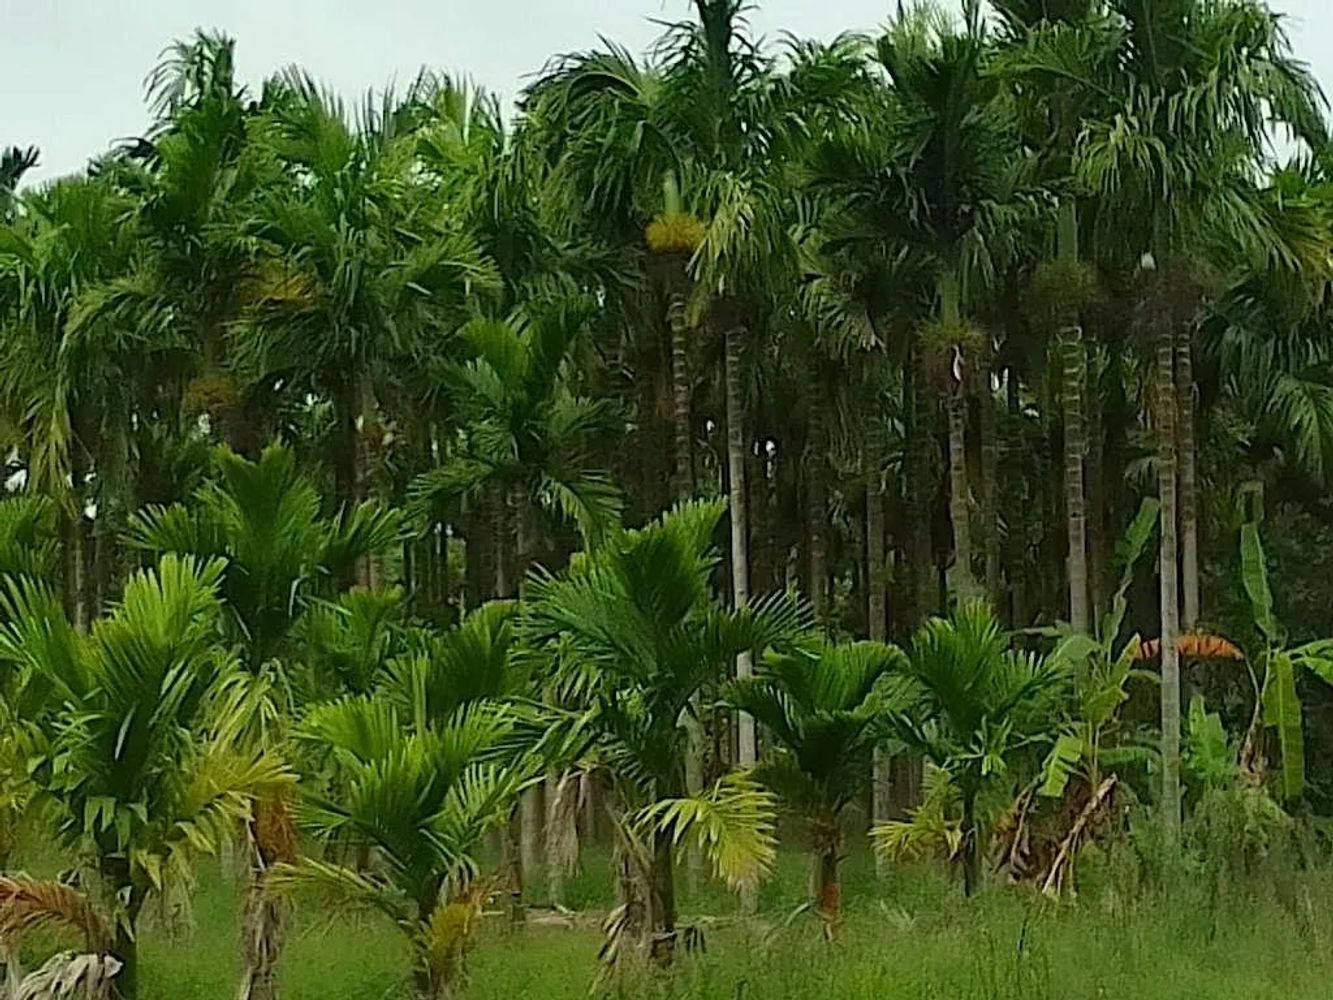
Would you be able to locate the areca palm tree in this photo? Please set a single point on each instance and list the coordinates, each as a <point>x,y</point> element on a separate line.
<point>422,799</point>
<point>1180,95</point>
<point>825,709</point>
<point>527,436</point>
<point>143,768</point>
<point>637,638</point>
<point>361,267</point>
<point>977,704</point>
<point>282,555</point>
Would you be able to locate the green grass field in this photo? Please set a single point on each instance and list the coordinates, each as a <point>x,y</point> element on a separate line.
<point>908,936</point>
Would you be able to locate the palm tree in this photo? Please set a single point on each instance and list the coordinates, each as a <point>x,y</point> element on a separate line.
<point>1163,181</point>
<point>423,797</point>
<point>361,269</point>
<point>638,640</point>
<point>527,435</point>
<point>824,708</point>
<point>976,705</point>
<point>281,556</point>
<point>15,161</point>
<point>143,767</point>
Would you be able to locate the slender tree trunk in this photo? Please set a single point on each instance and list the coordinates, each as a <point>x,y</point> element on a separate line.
<point>346,452</point>
<point>740,558</point>
<point>1096,488</point>
<point>1016,555</point>
<point>263,923</point>
<point>918,492</point>
<point>1189,496</point>
<point>662,901</point>
<point>814,472</point>
<point>990,478</point>
<point>531,809</point>
<point>971,844</point>
<point>1166,485</point>
<point>682,425</point>
<point>828,885</point>
<point>876,612</point>
<point>963,585</point>
<point>1076,525</point>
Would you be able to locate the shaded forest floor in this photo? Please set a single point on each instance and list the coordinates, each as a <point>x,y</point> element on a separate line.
<point>910,935</point>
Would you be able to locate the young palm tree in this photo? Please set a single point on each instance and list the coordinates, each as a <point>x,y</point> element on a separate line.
<point>976,705</point>
<point>143,768</point>
<point>825,709</point>
<point>637,638</point>
<point>281,556</point>
<point>423,797</point>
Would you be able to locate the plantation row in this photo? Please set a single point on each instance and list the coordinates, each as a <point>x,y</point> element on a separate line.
<point>386,481</point>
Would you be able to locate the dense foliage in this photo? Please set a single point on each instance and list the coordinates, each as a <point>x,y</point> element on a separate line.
<point>384,481</point>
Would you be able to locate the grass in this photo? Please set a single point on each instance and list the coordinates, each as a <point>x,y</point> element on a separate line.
<point>908,936</point>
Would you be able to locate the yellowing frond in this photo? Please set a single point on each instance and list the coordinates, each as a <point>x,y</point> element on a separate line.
<point>734,823</point>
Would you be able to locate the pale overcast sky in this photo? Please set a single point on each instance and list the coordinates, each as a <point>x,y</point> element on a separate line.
<point>71,71</point>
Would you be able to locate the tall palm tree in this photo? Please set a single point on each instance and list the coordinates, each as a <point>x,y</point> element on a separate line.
<point>1180,95</point>
<point>360,266</point>
<point>527,437</point>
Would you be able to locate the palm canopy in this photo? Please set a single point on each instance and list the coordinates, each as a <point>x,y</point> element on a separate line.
<point>141,764</point>
<point>636,634</point>
<point>974,707</point>
<point>977,699</point>
<point>525,429</point>
<point>477,661</point>
<point>264,518</point>
<point>825,708</point>
<point>423,797</point>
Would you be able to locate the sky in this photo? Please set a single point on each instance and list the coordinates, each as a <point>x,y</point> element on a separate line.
<point>72,71</point>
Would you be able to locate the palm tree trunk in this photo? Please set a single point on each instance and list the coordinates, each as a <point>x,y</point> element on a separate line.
<point>963,583</point>
<point>828,885</point>
<point>1189,497</point>
<point>682,426</point>
<point>990,478</point>
<point>1095,465</point>
<point>262,933</point>
<point>740,557</point>
<point>917,493</point>
<point>531,809</point>
<point>1016,549</point>
<point>1076,524</point>
<point>971,844</point>
<point>662,899</point>
<point>876,613</point>
<point>814,472</point>
<point>1166,485</point>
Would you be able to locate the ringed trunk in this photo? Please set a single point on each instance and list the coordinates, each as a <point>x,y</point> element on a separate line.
<point>740,556</point>
<point>1166,486</point>
<point>681,423</point>
<point>1076,523</point>
<point>1189,496</point>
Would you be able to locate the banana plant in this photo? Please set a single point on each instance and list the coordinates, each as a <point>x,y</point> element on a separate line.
<point>1274,669</point>
<point>1101,669</point>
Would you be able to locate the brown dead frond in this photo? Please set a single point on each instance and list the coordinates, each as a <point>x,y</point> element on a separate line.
<point>1057,875</point>
<point>28,904</point>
